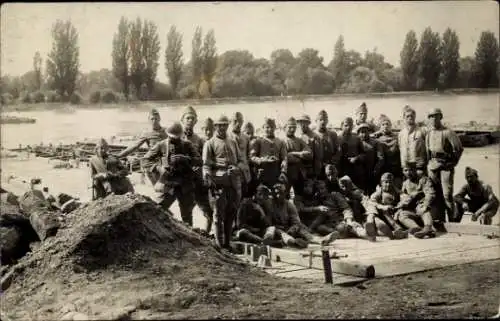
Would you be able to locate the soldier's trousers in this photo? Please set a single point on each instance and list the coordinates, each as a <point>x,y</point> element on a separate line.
<point>443,179</point>
<point>184,196</point>
<point>225,205</point>
<point>473,207</point>
<point>202,200</point>
<point>414,219</point>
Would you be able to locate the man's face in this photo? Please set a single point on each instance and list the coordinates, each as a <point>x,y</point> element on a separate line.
<point>361,116</point>
<point>268,130</point>
<point>386,127</point>
<point>279,191</point>
<point>260,196</point>
<point>189,121</point>
<point>209,131</point>
<point>322,190</point>
<point>304,126</point>
<point>154,120</point>
<point>322,122</point>
<point>435,120</point>
<point>471,179</point>
<point>237,123</point>
<point>364,134</point>
<point>309,187</point>
<point>290,129</point>
<point>331,176</point>
<point>409,172</point>
<point>249,131</point>
<point>345,186</point>
<point>346,127</point>
<point>221,129</point>
<point>409,118</point>
<point>386,185</point>
<point>103,150</point>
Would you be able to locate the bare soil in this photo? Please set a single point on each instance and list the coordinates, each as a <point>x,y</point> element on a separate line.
<point>123,258</point>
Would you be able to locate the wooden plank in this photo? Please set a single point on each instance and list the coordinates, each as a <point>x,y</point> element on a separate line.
<point>421,264</point>
<point>475,229</point>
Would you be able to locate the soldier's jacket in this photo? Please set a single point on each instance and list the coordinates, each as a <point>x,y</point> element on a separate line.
<point>151,138</point>
<point>392,158</point>
<point>285,215</point>
<point>350,146</point>
<point>218,155</point>
<point>198,143</point>
<point>420,193</point>
<point>243,142</point>
<point>263,147</point>
<point>329,141</point>
<point>170,171</point>
<point>374,157</point>
<point>252,216</point>
<point>338,205</point>
<point>296,164</point>
<point>412,146</point>
<point>315,166</point>
<point>109,164</point>
<point>372,127</point>
<point>479,195</point>
<point>384,198</point>
<point>358,201</point>
<point>444,148</point>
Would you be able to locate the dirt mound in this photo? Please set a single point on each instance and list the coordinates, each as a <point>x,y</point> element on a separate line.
<point>121,251</point>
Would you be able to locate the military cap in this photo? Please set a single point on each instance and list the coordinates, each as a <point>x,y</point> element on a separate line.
<point>407,109</point>
<point>347,120</point>
<point>237,115</point>
<point>362,108</point>
<point>189,110</point>
<point>291,122</point>
<point>330,168</point>
<point>222,120</point>
<point>304,118</point>
<point>362,126</point>
<point>410,165</point>
<point>382,118</point>
<point>262,189</point>
<point>102,142</point>
<point>387,177</point>
<point>248,125</point>
<point>154,112</point>
<point>322,113</point>
<point>470,171</point>
<point>434,111</point>
<point>175,130</point>
<point>269,122</point>
<point>208,123</point>
<point>280,186</point>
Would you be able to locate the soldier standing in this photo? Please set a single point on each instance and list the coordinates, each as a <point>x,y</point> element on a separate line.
<point>444,150</point>
<point>268,154</point>
<point>189,120</point>
<point>176,180</point>
<point>298,152</point>
<point>374,159</point>
<point>243,143</point>
<point>392,159</point>
<point>351,154</point>
<point>221,172</point>
<point>362,118</point>
<point>150,138</point>
<point>208,129</point>
<point>411,141</point>
<point>329,141</point>
<point>313,168</point>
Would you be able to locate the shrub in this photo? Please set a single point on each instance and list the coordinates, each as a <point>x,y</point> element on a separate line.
<point>53,96</point>
<point>188,92</point>
<point>37,97</point>
<point>95,97</point>
<point>75,98</point>
<point>6,99</point>
<point>108,96</point>
<point>25,98</point>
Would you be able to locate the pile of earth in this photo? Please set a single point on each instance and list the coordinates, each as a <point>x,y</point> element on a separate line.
<point>117,256</point>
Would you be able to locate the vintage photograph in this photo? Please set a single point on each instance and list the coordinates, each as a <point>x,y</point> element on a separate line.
<point>250,160</point>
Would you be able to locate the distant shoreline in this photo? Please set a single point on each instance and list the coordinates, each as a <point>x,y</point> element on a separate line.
<point>145,104</point>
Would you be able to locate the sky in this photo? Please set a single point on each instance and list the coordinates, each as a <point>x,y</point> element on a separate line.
<point>259,27</point>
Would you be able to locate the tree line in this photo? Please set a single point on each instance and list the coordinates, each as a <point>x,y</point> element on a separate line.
<point>432,62</point>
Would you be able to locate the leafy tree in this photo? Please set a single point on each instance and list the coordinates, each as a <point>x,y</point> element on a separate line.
<point>197,57</point>
<point>450,55</point>
<point>37,68</point>
<point>121,55</point>
<point>409,60</point>
<point>137,63</point>
<point>209,56</point>
<point>282,61</point>
<point>487,56</point>
<point>310,58</point>
<point>375,61</point>
<point>429,67</point>
<point>150,54</point>
<point>63,59</point>
<point>338,64</point>
<point>173,58</point>
<point>352,61</point>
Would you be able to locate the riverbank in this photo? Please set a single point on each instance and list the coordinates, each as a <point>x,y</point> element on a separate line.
<point>138,105</point>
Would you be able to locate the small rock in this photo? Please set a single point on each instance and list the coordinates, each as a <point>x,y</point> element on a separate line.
<point>361,287</point>
<point>69,307</point>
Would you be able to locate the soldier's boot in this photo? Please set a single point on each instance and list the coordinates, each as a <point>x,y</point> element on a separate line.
<point>228,232</point>
<point>219,232</point>
<point>370,230</point>
<point>330,238</point>
<point>414,230</point>
<point>208,226</point>
<point>297,243</point>
<point>247,236</point>
<point>399,234</point>
<point>426,231</point>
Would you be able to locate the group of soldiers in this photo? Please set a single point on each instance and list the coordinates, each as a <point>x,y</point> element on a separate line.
<point>364,181</point>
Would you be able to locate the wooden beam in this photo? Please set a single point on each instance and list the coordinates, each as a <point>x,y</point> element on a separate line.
<point>475,229</point>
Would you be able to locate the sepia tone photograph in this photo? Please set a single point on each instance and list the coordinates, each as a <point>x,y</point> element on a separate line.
<point>250,160</point>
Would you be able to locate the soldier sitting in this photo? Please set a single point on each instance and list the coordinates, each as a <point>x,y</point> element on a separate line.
<point>383,208</point>
<point>417,197</point>
<point>108,174</point>
<point>477,198</point>
<point>286,222</point>
<point>252,219</point>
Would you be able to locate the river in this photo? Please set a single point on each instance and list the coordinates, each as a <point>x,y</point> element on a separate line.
<point>57,127</point>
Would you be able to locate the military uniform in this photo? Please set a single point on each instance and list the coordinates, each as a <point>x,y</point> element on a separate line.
<point>298,152</point>
<point>351,146</point>
<point>253,218</point>
<point>243,143</point>
<point>412,147</point>
<point>373,161</point>
<point>315,165</point>
<point>176,181</point>
<point>200,190</point>
<point>329,143</point>
<point>392,158</point>
<point>479,199</point>
<point>221,163</point>
<point>268,172</point>
<point>372,128</point>
<point>444,150</point>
